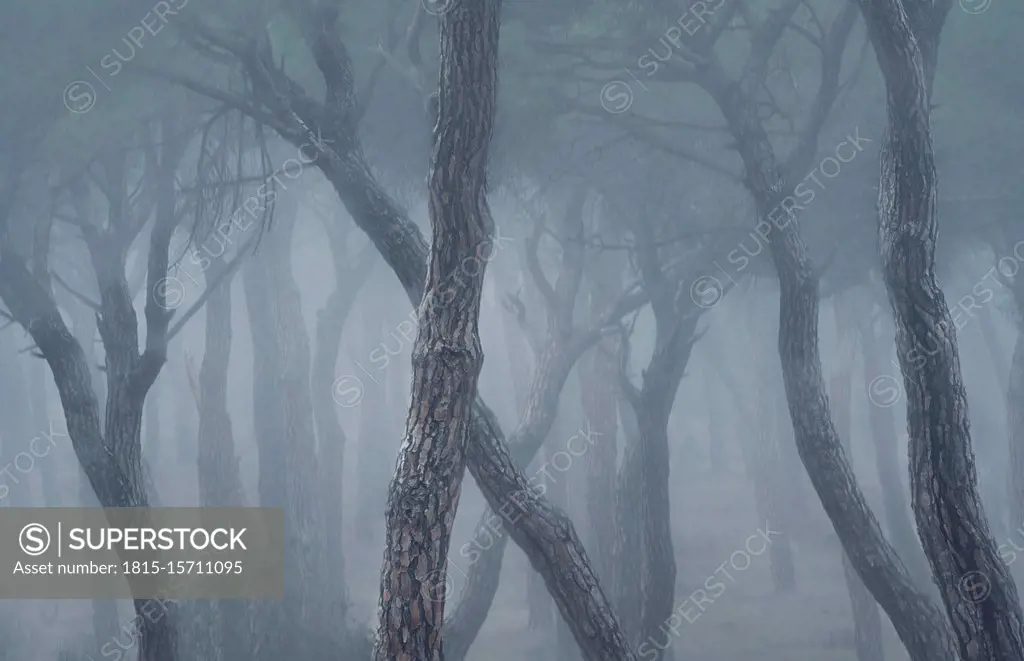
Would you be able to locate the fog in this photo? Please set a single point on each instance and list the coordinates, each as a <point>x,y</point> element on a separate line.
<point>646,331</point>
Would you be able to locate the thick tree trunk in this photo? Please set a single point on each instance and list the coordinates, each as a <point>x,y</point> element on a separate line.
<point>979,594</point>
<point>883,432</point>
<point>867,623</point>
<point>447,355</point>
<point>544,533</point>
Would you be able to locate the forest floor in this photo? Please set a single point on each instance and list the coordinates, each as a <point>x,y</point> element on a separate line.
<point>713,516</point>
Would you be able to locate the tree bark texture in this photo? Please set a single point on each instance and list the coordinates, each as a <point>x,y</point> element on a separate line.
<point>920,624</point>
<point>867,623</point>
<point>447,355</point>
<point>978,591</point>
<point>542,531</point>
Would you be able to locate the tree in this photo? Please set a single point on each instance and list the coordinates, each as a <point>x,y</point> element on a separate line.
<point>976,587</point>
<point>447,354</point>
<point>110,454</point>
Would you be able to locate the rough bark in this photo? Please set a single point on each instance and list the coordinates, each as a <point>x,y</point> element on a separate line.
<point>555,357</point>
<point>920,625</point>
<point>542,531</point>
<point>976,587</point>
<point>867,623</point>
<point>447,355</point>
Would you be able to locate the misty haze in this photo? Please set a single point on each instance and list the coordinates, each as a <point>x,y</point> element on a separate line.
<point>665,330</point>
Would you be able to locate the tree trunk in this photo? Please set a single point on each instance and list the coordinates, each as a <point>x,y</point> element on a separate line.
<point>48,469</point>
<point>643,493</point>
<point>15,431</point>
<point>920,625</point>
<point>979,594</point>
<point>545,533</point>
<point>447,355</point>
<point>225,622</point>
<point>597,373</point>
<point>883,432</point>
<point>151,423</point>
<point>768,489</point>
<point>867,623</point>
<point>286,439</point>
<point>330,326</point>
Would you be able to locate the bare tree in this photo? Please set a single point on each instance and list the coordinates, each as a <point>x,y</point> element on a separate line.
<point>979,594</point>
<point>447,354</point>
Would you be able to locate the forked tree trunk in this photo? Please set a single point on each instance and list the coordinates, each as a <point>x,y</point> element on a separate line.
<point>867,623</point>
<point>978,591</point>
<point>447,355</point>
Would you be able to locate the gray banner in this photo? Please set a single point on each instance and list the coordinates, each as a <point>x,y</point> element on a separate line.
<point>172,552</point>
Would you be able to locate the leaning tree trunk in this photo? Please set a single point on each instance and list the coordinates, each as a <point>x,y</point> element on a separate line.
<point>151,424</point>
<point>447,355</point>
<point>83,319</point>
<point>545,533</point>
<point>978,591</point>
<point>919,623</point>
<point>867,623</point>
